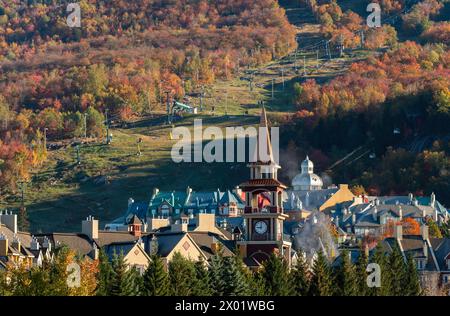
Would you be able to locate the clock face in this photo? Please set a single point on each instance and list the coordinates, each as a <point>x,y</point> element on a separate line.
<point>261,227</point>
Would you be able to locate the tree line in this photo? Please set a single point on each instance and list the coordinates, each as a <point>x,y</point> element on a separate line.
<point>224,276</point>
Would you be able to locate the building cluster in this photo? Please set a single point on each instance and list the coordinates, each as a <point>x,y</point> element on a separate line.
<point>259,217</point>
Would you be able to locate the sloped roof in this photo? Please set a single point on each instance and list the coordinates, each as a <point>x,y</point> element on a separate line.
<point>167,242</point>
<point>166,196</point>
<point>80,243</point>
<point>110,237</point>
<point>134,221</point>
<point>441,248</point>
<point>119,249</point>
<point>205,239</point>
<point>230,197</point>
<point>315,198</point>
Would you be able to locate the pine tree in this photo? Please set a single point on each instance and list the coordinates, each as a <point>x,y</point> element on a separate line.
<point>346,276</point>
<point>124,281</point>
<point>321,280</point>
<point>379,257</point>
<point>155,279</point>
<point>181,275</point>
<point>396,272</point>
<point>299,276</point>
<point>104,275</point>
<point>22,220</point>
<point>412,282</point>
<point>361,273</point>
<point>215,274</point>
<point>257,283</point>
<point>276,276</point>
<point>235,283</point>
<point>201,285</point>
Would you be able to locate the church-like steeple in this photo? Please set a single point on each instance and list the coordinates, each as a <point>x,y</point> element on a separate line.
<point>265,142</point>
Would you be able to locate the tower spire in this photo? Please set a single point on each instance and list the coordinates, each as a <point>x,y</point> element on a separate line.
<point>263,124</point>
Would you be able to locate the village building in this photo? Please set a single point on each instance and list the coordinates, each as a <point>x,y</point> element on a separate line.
<point>370,218</point>
<point>20,248</point>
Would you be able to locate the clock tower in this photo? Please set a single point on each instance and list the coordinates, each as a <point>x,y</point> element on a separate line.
<point>263,211</point>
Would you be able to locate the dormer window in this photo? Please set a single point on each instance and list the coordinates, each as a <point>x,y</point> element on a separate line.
<point>420,264</point>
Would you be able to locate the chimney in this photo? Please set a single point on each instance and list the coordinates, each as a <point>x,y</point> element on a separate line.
<point>206,222</point>
<point>89,227</point>
<point>425,249</point>
<point>16,243</point>
<point>424,232</point>
<point>10,221</point>
<point>130,202</point>
<point>214,246</point>
<point>156,223</point>
<point>435,215</point>
<point>188,190</point>
<point>3,245</point>
<point>154,245</point>
<point>155,191</point>
<point>34,244</point>
<point>47,244</point>
<point>95,251</point>
<point>375,213</point>
<point>433,200</point>
<point>238,191</point>
<point>400,213</point>
<point>377,202</point>
<point>398,232</point>
<point>345,211</point>
<point>410,197</point>
<point>180,225</point>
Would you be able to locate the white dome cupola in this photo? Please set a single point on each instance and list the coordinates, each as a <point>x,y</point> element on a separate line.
<point>307,180</point>
<point>307,166</point>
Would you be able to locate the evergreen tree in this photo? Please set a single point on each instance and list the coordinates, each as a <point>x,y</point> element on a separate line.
<point>257,283</point>
<point>22,220</point>
<point>380,258</point>
<point>124,281</point>
<point>56,272</point>
<point>396,272</point>
<point>155,279</point>
<point>104,276</point>
<point>215,274</point>
<point>346,276</point>
<point>321,280</point>
<point>361,273</point>
<point>412,282</point>
<point>235,282</point>
<point>276,276</point>
<point>299,276</point>
<point>181,275</point>
<point>201,286</point>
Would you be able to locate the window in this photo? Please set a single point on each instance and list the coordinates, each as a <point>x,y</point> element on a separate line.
<point>446,279</point>
<point>420,264</point>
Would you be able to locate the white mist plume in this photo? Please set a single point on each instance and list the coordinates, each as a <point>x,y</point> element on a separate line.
<point>290,161</point>
<point>316,236</point>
